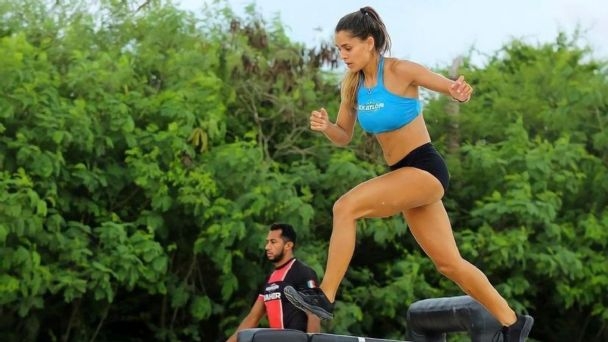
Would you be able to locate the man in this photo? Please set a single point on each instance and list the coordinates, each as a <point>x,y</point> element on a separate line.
<point>289,271</point>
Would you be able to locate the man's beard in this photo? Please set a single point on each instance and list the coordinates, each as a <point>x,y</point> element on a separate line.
<point>276,257</point>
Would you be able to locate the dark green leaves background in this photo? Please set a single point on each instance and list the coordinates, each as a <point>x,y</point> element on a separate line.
<point>144,150</point>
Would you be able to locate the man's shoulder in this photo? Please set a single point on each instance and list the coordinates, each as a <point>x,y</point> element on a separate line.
<point>301,266</point>
<point>301,263</point>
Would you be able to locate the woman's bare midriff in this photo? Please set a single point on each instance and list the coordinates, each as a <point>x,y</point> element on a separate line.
<point>399,143</point>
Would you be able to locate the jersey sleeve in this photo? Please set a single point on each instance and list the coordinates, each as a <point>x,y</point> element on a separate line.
<point>307,277</point>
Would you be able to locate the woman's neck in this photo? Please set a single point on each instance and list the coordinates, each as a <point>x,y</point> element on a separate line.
<point>370,71</point>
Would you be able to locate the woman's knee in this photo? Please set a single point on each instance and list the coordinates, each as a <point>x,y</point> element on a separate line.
<point>344,207</point>
<point>452,268</point>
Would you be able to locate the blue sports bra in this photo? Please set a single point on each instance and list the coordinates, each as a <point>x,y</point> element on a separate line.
<point>379,110</point>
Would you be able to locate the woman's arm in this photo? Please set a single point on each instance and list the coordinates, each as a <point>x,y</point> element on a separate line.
<point>418,75</point>
<point>340,133</point>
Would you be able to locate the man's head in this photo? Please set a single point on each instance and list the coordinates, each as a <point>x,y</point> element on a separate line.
<point>280,243</point>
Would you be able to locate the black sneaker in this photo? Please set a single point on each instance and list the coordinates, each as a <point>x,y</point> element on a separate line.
<point>310,300</point>
<point>518,331</point>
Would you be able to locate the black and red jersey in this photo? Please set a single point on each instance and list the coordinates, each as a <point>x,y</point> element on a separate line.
<point>281,313</point>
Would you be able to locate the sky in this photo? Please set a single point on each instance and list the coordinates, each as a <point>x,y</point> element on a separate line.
<point>434,32</point>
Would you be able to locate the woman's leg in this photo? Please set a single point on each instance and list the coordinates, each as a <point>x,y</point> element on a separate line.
<point>431,228</point>
<point>382,196</point>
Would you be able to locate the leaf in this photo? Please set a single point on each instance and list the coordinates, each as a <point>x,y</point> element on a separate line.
<point>201,307</point>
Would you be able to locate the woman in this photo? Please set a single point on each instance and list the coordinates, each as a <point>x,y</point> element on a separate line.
<point>382,94</point>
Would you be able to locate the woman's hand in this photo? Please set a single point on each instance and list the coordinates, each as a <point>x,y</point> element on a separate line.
<point>319,120</point>
<point>460,90</point>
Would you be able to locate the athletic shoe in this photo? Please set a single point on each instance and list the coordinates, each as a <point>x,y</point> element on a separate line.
<point>518,331</point>
<point>310,300</point>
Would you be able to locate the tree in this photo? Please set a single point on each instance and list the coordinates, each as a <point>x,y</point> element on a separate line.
<point>145,150</point>
<point>534,141</point>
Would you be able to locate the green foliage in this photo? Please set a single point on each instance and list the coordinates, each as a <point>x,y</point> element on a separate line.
<point>144,151</point>
<point>131,171</point>
<point>530,182</point>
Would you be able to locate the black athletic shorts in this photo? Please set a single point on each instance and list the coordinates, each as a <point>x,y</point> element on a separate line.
<point>426,158</point>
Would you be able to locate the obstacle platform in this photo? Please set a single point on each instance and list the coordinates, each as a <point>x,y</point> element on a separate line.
<point>344,338</point>
<point>287,335</point>
<point>271,335</point>
<point>428,320</point>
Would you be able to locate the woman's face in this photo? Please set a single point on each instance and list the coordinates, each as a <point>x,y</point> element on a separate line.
<point>355,52</point>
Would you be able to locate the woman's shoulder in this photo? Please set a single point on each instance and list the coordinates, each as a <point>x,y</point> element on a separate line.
<point>397,64</point>
<point>401,67</point>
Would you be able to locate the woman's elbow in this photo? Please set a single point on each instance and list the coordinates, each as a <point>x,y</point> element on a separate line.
<point>342,142</point>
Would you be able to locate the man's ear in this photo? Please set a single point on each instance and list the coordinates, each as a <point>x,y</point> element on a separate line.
<point>289,244</point>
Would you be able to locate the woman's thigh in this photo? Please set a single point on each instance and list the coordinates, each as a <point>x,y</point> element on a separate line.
<point>390,194</point>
